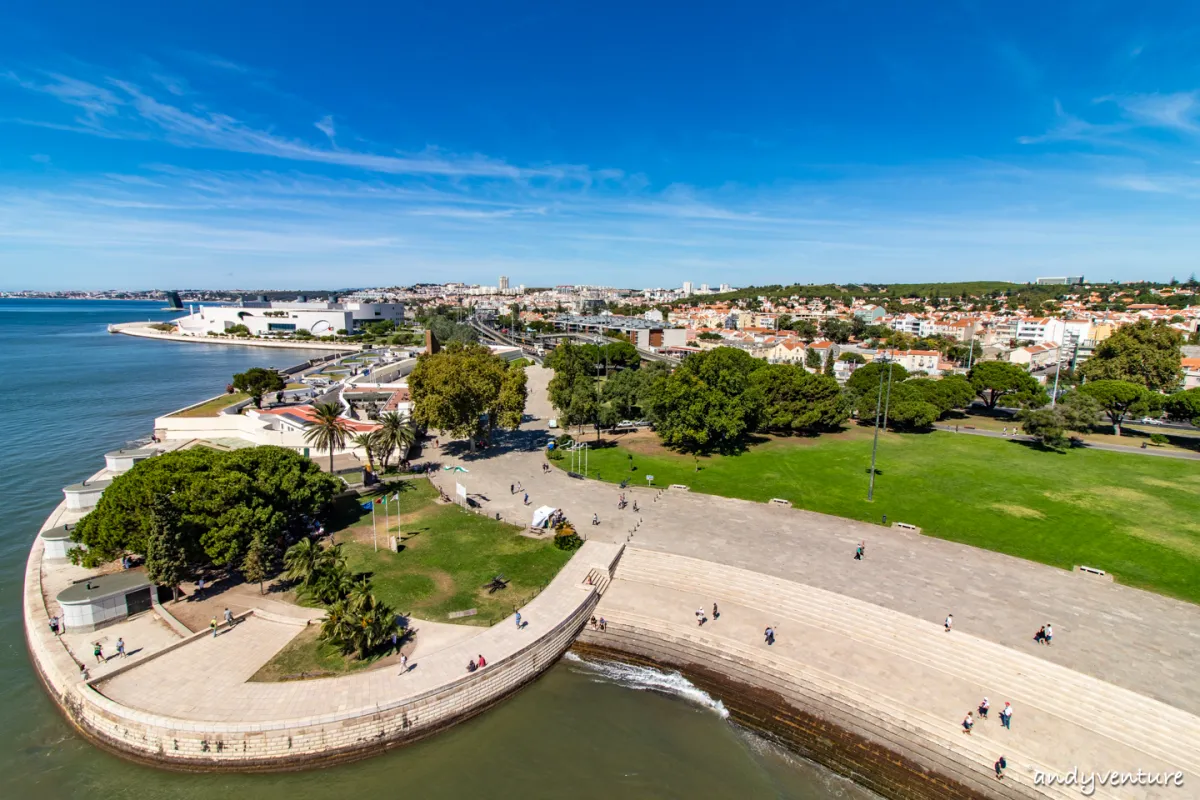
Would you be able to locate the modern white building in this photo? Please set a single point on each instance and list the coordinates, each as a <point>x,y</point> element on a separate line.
<point>319,317</point>
<point>688,288</point>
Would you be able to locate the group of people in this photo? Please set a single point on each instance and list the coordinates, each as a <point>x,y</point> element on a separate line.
<point>599,624</point>
<point>476,663</point>
<point>702,618</point>
<point>230,622</point>
<point>622,503</point>
<point>98,651</point>
<point>1044,634</point>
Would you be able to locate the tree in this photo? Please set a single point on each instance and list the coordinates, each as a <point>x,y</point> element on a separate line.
<point>328,431</point>
<point>1118,399</point>
<point>395,432</point>
<point>166,550</point>
<point>260,559</point>
<point>1145,353</point>
<point>621,354</point>
<point>865,379</point>
<point>906,407</point>
<point>708,336</point>
<point>583,406</point>
<point>836,330</point>
<point>455,389</point>
<point>367,441</point>
<point>952,391</point>
<point>812,358</point>
<point>794,400</point>
<point>622,393</point>
<point>806,330</point>
<point>997,380</point>
<point>257,381</point>
<point>1046,425</point>
<point>852,358</point>
<point>1184,406</point>
<point>708,401</point>
<point>223,499</point>
<point>829,363</point>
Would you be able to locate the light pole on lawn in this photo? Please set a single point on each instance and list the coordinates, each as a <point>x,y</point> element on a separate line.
<point>875,442</point>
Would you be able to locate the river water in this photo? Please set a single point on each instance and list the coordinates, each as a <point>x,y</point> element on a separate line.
<point>71,391</point>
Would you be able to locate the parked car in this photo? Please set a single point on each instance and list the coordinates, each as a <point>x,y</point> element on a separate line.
<point>553,423</point>
<point>625,423</point>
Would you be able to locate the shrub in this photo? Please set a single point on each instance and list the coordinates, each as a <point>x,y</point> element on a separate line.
<point>565,537</point>
<point>1158,439</point>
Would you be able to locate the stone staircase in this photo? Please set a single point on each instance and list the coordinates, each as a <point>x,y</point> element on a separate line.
<point>1160,731</point>
<point>930,740</point>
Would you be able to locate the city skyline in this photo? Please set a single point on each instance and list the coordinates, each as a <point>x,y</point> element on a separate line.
<point>935,144</point>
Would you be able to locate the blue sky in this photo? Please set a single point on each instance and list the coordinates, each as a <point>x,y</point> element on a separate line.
<point>631,144</point>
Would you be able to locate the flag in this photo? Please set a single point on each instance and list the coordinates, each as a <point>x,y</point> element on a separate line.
<point>396,497</point>
<point>368,506</point>
<point>384,499</point>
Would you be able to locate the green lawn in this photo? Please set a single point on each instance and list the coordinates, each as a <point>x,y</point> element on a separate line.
<point>1138,517</point>
<point>213,407</point>
<point>448,555</point>
<point>306,657</point>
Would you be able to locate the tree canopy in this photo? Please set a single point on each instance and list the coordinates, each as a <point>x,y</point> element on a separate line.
<point>257,381</point>
<point>453,389</point>
<point>216,501</point>
<point>1184,406</point>
<point>905,404</point>
<point>999,380</point>
<point>708,401</point>
<point>1145,353</point>
<point>795,400</point>
<point>865,379</point>
<point>1119,399</point>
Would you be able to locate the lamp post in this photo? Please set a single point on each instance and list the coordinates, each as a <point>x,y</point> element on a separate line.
<point>875,443</point>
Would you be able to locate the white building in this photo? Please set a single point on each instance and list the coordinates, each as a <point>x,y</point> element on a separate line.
<point>917,326</point>
<point>912,360</point>
<point>1035,356</point>
<point>320,318</point>
<point>688,287</point>
<point>503,283</point>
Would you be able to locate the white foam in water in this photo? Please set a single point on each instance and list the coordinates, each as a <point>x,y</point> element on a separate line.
<point>646,679</point>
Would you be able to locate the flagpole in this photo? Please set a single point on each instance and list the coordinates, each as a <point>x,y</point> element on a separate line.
<point>373,538</point>
<point>386,525</point>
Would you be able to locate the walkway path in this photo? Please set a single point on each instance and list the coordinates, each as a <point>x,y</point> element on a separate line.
<point>1134,639</point>
<point>1113,448</point>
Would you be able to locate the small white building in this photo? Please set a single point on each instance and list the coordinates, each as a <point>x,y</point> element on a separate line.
<point>320,318</point>
<point>84,496</point>
<point>119,462</point>
<point>1035,356</point>
<point>912,360</point>
<point>56,543</point>
<point>104,599</point>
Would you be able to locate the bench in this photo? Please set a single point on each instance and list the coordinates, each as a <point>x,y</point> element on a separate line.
<point>680,486</point>
<point>906,526</point>
<point>779,501</point>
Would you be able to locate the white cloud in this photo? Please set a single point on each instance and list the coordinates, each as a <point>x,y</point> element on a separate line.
<point>325,126</point>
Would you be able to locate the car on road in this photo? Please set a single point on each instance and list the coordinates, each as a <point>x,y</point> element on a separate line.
<point>626,423</point>
<point>1151,421</point>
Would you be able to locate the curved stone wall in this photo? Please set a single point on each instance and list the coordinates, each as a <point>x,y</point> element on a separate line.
<point>307,742</point>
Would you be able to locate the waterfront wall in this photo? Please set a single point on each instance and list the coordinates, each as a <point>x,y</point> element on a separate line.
<point>311,741</point>
<point>141,329</point>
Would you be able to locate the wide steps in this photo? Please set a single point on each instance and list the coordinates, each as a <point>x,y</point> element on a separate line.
<point>1131,719</point>
<point>851,706</point>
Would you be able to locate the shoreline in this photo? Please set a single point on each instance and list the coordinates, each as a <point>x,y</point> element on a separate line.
<point>141,330</point>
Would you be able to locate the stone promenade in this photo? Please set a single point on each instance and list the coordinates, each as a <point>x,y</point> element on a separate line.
<point>1131,638</point>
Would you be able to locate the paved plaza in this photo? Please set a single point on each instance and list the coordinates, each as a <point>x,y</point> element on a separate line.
<point>1129,637</point>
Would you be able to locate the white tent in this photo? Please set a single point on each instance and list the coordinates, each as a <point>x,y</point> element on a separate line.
<point>541,515</point>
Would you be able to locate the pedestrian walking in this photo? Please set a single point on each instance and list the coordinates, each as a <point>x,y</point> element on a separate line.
<point>395,640</point>
<point>212,624</point>
<point>527,498</point>
<point>716,613</point>
<point>83,672</point>
<point>1006,716</point>
<point>98,652</point>
<point>120,647</point>
<point>1000,765</point>
<point>700,618</point>
<point>1049,632</point>
<point>229,623</point>
<point>593,623</point>
<point>403,663</point>
<point>949,622</point>
<point>968,723</point>
<point>769,635</point>
<point>983,709</point>
<point>603,624</point>
<point>595,519</point>
<point>199,587</point>
<point>860,550</point>
<point>54,625</point>
<point>1005,433</point>
<point>518,620</point>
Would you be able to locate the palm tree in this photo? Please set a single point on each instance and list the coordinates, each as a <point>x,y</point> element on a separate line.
<point>368,442</point>
<point>303,561</point>
<point>329,430</point>
<point>395,432</point>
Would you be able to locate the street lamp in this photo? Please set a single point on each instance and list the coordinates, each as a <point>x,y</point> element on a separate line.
<point>875,443</point>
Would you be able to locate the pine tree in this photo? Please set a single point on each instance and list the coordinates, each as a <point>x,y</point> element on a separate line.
<point>829,360</point>
<point>260,559</point>
<point>812,359</point>
<point>166,555</point>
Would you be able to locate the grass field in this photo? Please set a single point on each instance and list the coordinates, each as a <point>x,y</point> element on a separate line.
<point>306,656</point>
<point>448,555</point>
<point>213,407</point>
<point>1135,516</point>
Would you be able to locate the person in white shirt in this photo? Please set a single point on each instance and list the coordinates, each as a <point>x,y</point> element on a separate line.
<point>983,709</point>
<point>1006,715</point>
<point>1049,633</point>
<point>949,622</point>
